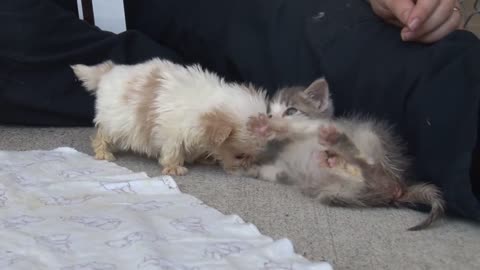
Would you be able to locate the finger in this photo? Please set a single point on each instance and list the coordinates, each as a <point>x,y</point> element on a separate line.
<point>444,30</point>
<point>439,17</point>
<point>400,9</point>
<point>420,13</point>
<point>449,26</point>
<point>395,22</point>
<point>381,10</point>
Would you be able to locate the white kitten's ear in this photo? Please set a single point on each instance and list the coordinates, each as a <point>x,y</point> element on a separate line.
<point>319,93</point>
<point>217,126</point>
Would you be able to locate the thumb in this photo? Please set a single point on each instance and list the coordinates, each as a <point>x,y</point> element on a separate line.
<point>401,9</point>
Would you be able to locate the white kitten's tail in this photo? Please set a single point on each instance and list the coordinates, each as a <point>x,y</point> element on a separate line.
<point>90,76</point>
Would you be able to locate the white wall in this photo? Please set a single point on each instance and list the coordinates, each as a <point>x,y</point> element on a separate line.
<point>109,14</point>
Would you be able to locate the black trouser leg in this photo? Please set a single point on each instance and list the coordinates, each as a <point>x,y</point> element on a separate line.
<point>38,42</point>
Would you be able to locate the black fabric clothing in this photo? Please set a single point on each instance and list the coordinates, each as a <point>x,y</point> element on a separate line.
<point>430,92</point>
<point>38,42</point>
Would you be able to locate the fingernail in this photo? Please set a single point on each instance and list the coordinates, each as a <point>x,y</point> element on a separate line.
<point>413,24</point>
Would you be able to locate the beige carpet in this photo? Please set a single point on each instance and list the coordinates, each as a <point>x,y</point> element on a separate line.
<point>349,239</point>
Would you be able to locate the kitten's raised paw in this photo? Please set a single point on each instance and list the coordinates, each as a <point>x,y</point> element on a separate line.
<point>104,155</point>
<point>175,170</point>
<point>259,126</point>
<point>328,135</point>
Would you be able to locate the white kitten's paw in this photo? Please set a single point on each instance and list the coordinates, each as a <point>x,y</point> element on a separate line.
<point>104,155</point>
<point>175,170</point>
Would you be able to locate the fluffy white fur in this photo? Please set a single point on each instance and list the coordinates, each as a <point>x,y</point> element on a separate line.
<point>175,113</point>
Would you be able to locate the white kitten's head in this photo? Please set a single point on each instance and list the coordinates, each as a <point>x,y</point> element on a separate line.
<point>313,102</point>
<point>226,130</point>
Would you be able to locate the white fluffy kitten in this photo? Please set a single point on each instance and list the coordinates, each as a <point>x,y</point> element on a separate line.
<point>171,112</point>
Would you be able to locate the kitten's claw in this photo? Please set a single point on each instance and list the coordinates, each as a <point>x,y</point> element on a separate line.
<point>328,135</point>
<point>175,170</point>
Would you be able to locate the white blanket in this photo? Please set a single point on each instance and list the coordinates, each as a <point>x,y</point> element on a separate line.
<point>63,210</point>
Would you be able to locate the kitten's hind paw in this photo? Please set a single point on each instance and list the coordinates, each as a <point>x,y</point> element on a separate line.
<point>328,135</point>
<point>175,170</point>
<point>326,159</point>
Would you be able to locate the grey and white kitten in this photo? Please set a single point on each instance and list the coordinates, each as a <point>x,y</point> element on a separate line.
<point>350,161</point>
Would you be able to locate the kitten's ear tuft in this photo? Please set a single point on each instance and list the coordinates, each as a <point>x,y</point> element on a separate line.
<point>218,126</point>
<point>319,93</point>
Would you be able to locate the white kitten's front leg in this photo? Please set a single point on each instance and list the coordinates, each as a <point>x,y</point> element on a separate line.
<point>172,159</point>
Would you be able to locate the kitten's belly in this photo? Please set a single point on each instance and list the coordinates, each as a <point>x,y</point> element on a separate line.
<point>300,160</point>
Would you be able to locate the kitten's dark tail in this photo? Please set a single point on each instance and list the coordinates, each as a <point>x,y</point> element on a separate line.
<point>90,75</point>
<point>424,194</point>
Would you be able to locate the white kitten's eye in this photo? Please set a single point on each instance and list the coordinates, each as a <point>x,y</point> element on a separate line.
<point>291,111</point>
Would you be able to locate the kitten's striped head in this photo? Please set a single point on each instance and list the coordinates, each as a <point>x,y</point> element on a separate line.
<point>313,102</point>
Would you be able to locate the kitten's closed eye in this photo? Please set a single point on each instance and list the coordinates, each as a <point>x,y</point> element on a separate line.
<point>291,111</point>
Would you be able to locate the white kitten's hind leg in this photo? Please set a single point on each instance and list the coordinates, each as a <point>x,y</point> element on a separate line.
<point>369,145</point>
<point>172,159</point>
<point>102,145</point>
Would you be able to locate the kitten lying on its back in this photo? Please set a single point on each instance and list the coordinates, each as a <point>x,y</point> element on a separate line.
<point>344,161</point>
<point>174,113</point>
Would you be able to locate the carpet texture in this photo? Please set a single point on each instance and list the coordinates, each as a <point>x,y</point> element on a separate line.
<point>347,238</point>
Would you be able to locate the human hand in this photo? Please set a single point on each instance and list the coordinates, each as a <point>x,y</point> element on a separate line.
<point>424,21</point>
